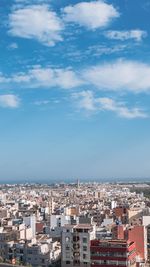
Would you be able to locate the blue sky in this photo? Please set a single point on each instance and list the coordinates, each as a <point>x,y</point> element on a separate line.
<point>74,89</point>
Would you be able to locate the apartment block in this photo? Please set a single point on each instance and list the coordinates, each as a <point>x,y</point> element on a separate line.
<point>76,245</point>
<point>112,253</point>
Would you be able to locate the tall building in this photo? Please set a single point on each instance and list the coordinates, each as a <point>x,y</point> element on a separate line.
<point>76,245</point>
<point>112,253</point>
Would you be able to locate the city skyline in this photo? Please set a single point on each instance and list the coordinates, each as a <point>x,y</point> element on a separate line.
<point>74,89</point>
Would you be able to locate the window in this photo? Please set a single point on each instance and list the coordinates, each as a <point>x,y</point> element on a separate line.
<point>67,262</point>
<point>67,239</point>
<point>84,240</point>
<point>67,255</point>
<point>84,248</point>
<point>75,238</point>
<point>84,256</point>
<point>67,248</point>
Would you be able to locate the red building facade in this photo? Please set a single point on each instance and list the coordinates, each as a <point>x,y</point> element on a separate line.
<point>112,253</point>
<point>134,233</point>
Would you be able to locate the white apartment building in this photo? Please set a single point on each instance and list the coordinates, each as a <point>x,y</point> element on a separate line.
<point>76,245</point>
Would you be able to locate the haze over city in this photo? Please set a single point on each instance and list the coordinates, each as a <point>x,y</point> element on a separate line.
<point>74,90</point>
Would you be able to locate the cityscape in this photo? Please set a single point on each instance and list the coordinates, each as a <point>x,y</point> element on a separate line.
<point>75,133</point>
<point>76,224</point>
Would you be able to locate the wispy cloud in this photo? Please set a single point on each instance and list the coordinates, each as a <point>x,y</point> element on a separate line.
<point>44,77</point>
<point>87,101</point>
<point>13,46</point>
<point>117,76</point>
<point>98,50</point>
<point>31,1</point>
<point>136,35</point>
<point>9,101</point>
<point>41,102</point>
<point>36,22</point>
<point>120,109</point>
<point>92,15</point>
<point>45,102</point>
<point>95,51</point>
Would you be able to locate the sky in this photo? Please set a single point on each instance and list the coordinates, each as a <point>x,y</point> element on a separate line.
<point>74,90</point>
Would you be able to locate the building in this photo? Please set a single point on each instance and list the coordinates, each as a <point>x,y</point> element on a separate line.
<point>112,253</point>
<point>137,234</point>
<point>118,232</point>
<point>121,214</point>
<point>72,211</point>
<point>30,221</point>
<point>76,244</point>
<point>57,223</point>
<point>148,242</point>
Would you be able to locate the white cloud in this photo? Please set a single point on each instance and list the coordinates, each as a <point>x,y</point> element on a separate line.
<point>119,75</point>
<point>10,101</point>
<point>48,77</point>
<point>137,35</point>
<point>92,15</point>
<point>87,101</point>
<point>36,22</point>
